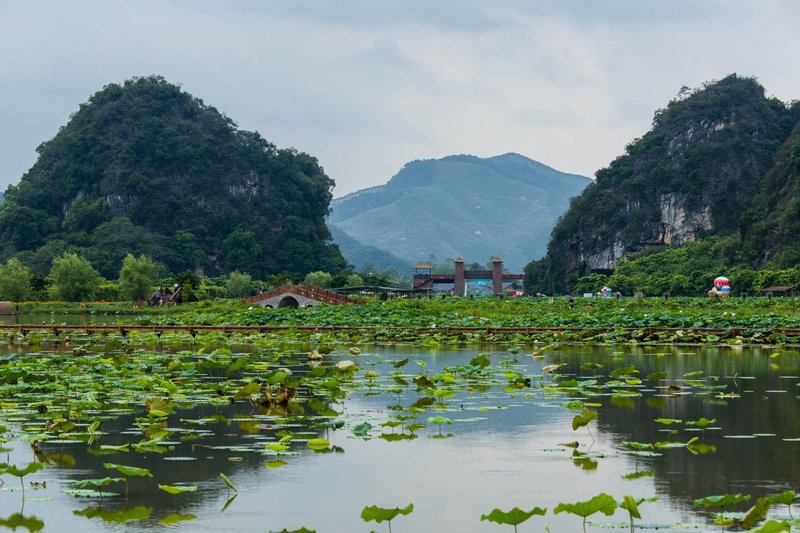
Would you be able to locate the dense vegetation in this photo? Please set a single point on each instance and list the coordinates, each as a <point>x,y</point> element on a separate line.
<point>689,270</point>
<point>458,320</point>
<point>146,168</point>
<point>719,161</point>
<point>460,206</point>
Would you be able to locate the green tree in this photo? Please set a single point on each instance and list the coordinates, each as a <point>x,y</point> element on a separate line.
<point>188,282</point>
<point>239,284</point>
<point>73,278</point>
<point>319,278</point>
<point>15,281</point>
<point>137,277</point>
<point>354,280</point>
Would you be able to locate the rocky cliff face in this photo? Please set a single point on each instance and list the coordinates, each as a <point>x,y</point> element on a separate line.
<point>693,174</point>
<point>680,225</point>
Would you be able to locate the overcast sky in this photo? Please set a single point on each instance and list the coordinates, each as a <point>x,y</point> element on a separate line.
<point>368,85</point>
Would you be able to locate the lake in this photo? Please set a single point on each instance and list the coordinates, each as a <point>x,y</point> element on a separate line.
<point>506,445</point>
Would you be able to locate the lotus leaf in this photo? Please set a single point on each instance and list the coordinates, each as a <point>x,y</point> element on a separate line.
<point>773,526</point>
<point>602,503</point>
<point>583,419</point>
<point>318,444</point>
<point>129,471</point>
<point>722,500</point>
<point>228,483</point>
<point>514,517</point>
<point>381,514</point>
<point>177,489</point>
<point>756,513</point>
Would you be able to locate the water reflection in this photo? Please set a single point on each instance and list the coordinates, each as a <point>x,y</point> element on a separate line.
<point>511,446</point>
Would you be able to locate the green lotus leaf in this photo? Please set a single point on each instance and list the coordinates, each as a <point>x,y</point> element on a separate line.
<point>14,470</point>
<point>786,497</point>
<point>638,475</point>
<point>701,422</point>
<point>602,503</point>
<point>86,483</point>
<point>121,448</point>
<point>129,471</point>
<point>177,489</point>
<point>574,405</point>
<point>514,517</point>
<point>629,504</point>
<point>624,371</point>
<point>482,360</point>
<point>773,526</point>
<point>721,500</point>
<point>380,514</point>
<point>318,444</point>
<point>362,429</point>
<point>583,419</point>
<point>638,445</point>
<point>756,513</point>
<point>228,482</point>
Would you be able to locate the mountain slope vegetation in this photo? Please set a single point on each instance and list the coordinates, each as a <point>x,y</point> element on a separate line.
<point>147,168</point>
<point>461,206</point>
<point>719,161</point>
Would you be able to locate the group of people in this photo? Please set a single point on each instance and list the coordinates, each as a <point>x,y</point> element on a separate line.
<point>165,295</point>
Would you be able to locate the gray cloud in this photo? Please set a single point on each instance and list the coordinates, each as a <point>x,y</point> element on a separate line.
<point>367,85</point>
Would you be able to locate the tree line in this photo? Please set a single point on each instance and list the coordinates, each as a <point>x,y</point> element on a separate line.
<point>73,278</point>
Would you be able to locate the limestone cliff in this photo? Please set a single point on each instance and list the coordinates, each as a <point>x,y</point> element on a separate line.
<point>693,174</point>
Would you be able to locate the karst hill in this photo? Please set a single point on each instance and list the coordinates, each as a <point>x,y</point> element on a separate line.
<point>720,162</point>
<point>147,168</point>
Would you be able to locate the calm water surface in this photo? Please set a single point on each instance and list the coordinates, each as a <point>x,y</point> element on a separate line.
<point>504,451</point>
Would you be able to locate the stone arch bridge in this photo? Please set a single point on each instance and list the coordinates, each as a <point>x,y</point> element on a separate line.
<point>298,296</point>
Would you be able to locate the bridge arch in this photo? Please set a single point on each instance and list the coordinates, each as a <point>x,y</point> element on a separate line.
<point>288,301</point>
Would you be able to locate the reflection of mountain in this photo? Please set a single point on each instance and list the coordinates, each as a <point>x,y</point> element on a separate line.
<point>757,466</point>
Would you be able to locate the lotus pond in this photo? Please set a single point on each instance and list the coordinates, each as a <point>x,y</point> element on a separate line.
<point>246,433</point>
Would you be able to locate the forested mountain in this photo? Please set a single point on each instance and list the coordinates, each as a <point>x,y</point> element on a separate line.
<point>147,168</point>
<point>719,161</point>
<point>461,205</point>
<point>367,258</point>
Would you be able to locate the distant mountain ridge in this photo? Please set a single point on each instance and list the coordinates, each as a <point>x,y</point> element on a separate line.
<point>461,205</point>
